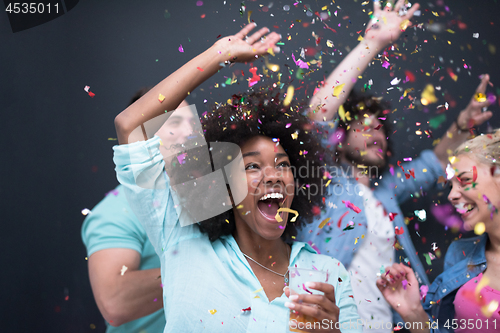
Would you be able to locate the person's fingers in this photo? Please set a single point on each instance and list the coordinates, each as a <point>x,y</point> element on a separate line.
<point>308,310</point>
<point>411,11</point>
<point>399,5</point>
<point>268,42</point>
<point>376,7</point>
<point>257,35</point>
<point>482,117</point>
<point>246,30</point>
<point>326,304</point>
<point>381,285</point>
<point>326,288</point>
<point>286,290</point>
<point>485,78</point>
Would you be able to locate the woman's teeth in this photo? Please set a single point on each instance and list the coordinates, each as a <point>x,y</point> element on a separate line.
<point>271,196</point>
<point>463,208</point>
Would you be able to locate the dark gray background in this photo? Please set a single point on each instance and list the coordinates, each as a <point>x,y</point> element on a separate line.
<point>56,152</point>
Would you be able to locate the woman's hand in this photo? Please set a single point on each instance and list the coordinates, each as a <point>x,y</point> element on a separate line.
<point>472,115</point>
<point>400,289</point>
<point>320,307</point>
<point>387,25</point>
<point>242,48</point>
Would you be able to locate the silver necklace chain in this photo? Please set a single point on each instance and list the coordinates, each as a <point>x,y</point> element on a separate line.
<point>270,270</point>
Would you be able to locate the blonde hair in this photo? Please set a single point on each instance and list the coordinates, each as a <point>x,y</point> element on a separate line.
<point>485,148</point>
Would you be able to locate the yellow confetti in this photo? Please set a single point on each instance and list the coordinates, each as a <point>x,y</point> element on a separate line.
<point>435,14</point>
<point>356,240</point>
<point>278,217</point>
<point>239,207</point>
<point>323,223</point>
<point>258,290</point>
<point>324,8</point>
<point>289,95</point>
<point>295,135</point>
<point>272,67</point>
<point>329,43</point>
<point>452,159</point>
<point>480,97</point>
<point>212,312</point>
<point>479,228</point>
<point>337,90</point>
<point>270,51</point>
<point>404,25</point>
<point>490,308</point>
<point>428,96</point>
<point>360,38</point>
<point>328,182</point>
<point>161,98</point>
<point>249,13</point>
<point>227,220</point>
<point>450,31</point>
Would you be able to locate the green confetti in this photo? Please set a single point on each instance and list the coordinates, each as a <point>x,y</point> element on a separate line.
<point>436,121</point>
<point>428,259</point>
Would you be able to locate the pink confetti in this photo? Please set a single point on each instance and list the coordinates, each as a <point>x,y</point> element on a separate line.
<point>386,64</point>
<point>405,283</point>
<point>181,49</point>
<point>199,3</point>
<point>300,62</point>
<point>423,291</point>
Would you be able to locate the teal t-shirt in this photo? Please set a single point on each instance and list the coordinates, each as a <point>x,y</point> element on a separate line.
<point>112,224</point>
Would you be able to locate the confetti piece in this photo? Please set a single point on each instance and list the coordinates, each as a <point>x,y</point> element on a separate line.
<point>123,270</point>
<point>300,62</point>
<point>490,308</point>
<point>323,223</point>
<point>247,309</point>
<point>255,78</point>
<point>86,211</point>
<point>348,204</point>
<point>428,96</point>
<point>86,89</point>
<point>161,98</point>
<point>289,96</point>
<point>339,222</point>
<point>479,228</point>
<point>278,217</point>
<point>212,312</point>
<point>398,230</point>
<point>480,97</point>
<point>200,69</point>
<point>180,48</point>
<point>423,291</point>
<point>338,90</point>
<point>404,283</point>
<point>258,290</point>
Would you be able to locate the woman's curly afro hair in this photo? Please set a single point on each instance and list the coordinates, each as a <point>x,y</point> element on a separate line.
<point>262,113</point>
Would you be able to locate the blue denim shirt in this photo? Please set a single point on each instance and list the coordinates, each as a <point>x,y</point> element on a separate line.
<point>390,190</point>
<point>464,260</point>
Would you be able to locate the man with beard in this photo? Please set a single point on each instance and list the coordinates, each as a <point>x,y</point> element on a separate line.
<point>363,226</point>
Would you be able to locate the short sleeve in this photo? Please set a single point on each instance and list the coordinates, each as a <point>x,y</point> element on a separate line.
<point>112,224</point>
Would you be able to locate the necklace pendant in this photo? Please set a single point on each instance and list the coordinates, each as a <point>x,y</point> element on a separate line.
<point>286,280</point>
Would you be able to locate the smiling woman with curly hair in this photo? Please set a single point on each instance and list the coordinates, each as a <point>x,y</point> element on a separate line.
<point>226,272</point>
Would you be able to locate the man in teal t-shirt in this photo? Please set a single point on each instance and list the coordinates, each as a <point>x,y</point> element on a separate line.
<point>124,269</point>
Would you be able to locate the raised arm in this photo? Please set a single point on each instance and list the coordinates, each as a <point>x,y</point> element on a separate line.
<point>469,117</point>
<point>184,80</point>
<point>384,28</point>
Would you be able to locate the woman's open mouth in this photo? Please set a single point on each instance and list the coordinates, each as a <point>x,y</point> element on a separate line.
<point>269,204</point>
<point>465,209</point>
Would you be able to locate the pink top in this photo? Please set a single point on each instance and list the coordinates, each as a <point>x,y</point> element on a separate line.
<point>468,314</point>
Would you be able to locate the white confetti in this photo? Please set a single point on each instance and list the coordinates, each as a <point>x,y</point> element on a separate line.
<point>86,211</point>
